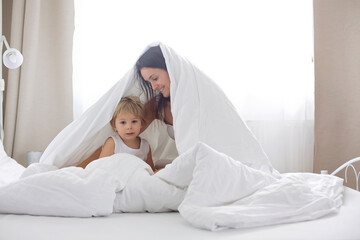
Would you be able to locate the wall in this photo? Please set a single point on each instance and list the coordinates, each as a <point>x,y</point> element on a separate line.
<point>6,27</point>
<point>337,83</point>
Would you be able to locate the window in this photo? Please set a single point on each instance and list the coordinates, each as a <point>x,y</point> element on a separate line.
<point>258,51</point>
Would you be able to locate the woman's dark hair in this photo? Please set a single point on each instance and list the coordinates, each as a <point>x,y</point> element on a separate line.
<point>152,58</point>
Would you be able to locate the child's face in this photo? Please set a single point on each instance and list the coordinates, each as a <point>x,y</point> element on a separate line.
<point>127,125</point>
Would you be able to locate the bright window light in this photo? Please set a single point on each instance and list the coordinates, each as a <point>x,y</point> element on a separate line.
<point>258,51</point>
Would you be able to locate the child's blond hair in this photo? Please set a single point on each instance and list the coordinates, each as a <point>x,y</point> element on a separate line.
<point>130,104</point>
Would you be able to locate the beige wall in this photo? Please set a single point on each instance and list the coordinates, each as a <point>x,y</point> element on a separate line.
<point>337,83</point>
<point>6,27</point>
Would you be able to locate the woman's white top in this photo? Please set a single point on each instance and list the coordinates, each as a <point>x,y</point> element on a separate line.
<point>121,147</point>
<point>170,130</point>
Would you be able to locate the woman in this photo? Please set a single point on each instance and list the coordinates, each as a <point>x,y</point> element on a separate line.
<point>153,75</point>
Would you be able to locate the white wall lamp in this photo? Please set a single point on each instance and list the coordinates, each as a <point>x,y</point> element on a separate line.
<point>12,59</point>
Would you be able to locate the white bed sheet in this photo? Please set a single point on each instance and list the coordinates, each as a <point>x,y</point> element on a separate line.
<point>343,225</point>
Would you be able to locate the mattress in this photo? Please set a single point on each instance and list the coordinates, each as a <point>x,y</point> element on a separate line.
<point>341,225</point>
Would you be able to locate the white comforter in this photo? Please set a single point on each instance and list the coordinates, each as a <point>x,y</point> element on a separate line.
<point>222,177</point>
<point>210,190</point>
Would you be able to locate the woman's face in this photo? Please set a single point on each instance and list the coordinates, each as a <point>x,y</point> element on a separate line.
<point>158,78</point>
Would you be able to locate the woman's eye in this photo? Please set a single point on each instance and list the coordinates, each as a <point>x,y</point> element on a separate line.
<point>155,79</point>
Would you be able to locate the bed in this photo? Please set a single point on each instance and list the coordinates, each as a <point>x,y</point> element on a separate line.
<point>342,225</point>
<point>339,225</point>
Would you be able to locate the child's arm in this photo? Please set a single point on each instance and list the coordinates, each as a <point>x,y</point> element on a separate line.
<point>150,161</point>
<point>108,148</point>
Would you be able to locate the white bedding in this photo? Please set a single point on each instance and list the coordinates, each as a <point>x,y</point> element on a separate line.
<point>221,179</point>
<point>163,226</point>
<point>210,190</point>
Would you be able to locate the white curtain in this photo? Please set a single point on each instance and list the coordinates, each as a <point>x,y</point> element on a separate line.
<point>258,51</point>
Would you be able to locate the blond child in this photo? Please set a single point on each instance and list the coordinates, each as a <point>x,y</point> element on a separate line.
<point>127,121</point>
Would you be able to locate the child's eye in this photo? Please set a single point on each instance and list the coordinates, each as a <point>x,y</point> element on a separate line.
<point>134,121</point>
<point>122,122</point>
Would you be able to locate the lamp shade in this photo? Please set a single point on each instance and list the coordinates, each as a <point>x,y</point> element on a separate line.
<point>12,58</point>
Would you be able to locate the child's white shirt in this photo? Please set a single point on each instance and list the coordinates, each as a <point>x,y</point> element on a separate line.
<point>121,147</point>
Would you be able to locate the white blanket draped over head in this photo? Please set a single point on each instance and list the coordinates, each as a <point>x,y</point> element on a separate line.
<point>221,179</point>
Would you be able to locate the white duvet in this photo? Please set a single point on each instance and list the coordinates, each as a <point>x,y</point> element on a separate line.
<point>221,178</point>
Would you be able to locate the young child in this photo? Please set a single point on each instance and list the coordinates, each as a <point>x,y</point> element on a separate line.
<point>127,121</point>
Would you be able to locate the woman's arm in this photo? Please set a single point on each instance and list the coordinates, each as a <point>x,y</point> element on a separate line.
<point>150,113</point>
<point>150,161</point>
<point>100,152</point>
<point>93,157</point>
